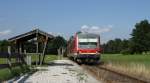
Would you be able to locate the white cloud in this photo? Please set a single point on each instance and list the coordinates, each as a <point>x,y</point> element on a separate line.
<point>5,32</point>
<point>84,27</point>
<point>96,29</point>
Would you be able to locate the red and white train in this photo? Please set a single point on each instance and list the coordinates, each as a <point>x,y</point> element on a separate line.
<point>84,47</point>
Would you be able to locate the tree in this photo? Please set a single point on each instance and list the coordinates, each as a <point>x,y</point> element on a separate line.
<point>58,42</point>
<point>3,45</point>
<point>140,40</point>
<point>116,46</point>
<point>113,46</point>
<point>125,47</point>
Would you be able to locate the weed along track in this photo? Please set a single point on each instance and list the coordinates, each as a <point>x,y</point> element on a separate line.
<point>110,76</point>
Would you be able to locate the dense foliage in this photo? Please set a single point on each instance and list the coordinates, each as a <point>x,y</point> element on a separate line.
<point>55,44</point>
<point>3,45</point>
<point>140,41</point>
<point>116,46</point>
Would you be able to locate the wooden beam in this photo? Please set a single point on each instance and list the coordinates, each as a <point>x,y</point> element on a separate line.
<point>45,45</point>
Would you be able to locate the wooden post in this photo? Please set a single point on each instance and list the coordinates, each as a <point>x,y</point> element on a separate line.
<point>37,46</point>
<point>28,58</point>
<point>39,58</point>
<point>45,44</point>
<point>20,52</point>
<point>20,48</point>
<point>62,53</point>
<point>9,58</point>
<point>59,53</point>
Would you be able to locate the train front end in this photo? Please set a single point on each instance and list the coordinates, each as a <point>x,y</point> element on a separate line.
<point>88,47</point>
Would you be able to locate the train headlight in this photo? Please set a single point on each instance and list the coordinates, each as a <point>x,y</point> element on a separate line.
<point>79,52</point>
<point>97,52</point>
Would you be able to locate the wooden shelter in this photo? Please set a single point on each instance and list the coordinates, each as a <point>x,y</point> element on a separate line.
<point>36,34</point>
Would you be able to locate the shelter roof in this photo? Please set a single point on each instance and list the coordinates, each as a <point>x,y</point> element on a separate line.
<point>30,35</point>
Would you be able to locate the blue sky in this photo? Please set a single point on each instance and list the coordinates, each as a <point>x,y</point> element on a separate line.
<point>110,18</point>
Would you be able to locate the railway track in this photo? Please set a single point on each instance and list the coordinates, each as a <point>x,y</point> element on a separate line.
<point>111,76</point>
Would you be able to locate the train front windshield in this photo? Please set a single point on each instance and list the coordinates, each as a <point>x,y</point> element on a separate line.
<point>87,45</point>
<point>86,41</point>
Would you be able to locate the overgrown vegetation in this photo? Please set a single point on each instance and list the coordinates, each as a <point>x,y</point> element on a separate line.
<point>127,59</point>
<point>6,73</point>
<point>130,64</point>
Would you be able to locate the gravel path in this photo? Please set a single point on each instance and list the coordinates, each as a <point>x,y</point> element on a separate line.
<point>59,71</point>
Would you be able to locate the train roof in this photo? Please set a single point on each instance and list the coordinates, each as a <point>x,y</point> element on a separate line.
<point>85,34</point>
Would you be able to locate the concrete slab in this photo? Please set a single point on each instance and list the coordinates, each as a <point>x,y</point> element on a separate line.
<point>59,71</point>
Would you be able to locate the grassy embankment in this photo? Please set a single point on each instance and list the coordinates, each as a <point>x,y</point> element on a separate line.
<point>138,65</point>
<point>6,74</point>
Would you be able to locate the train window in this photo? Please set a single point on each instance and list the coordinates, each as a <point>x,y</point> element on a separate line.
<point>87,44</point>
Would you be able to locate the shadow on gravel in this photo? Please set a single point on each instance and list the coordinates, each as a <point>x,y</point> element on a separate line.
<point>25,78</point>
<point>22,80</point>
<point>93,64</point>
<point>54,64</point>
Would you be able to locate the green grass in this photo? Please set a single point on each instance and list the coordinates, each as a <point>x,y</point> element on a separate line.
<point>47,58</point>
<point>4,60</point>
<point>50,58</point>
<point>126,59</point>
<point>5,74</point>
